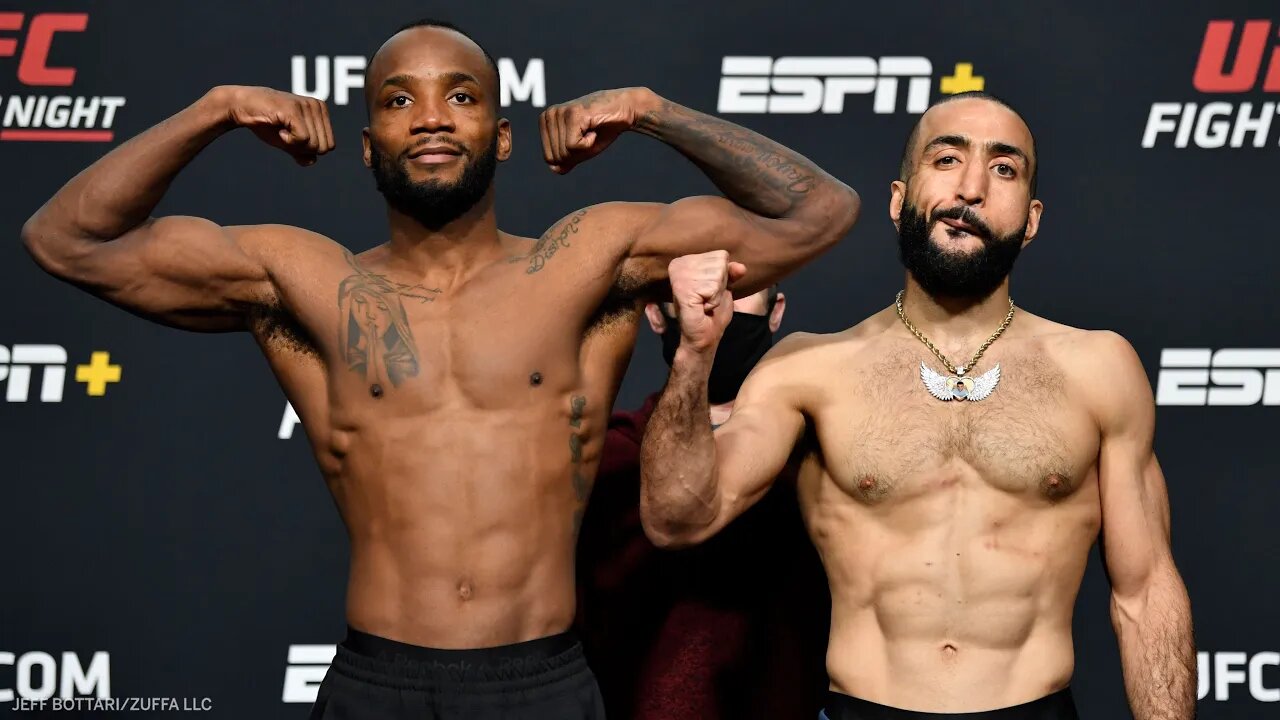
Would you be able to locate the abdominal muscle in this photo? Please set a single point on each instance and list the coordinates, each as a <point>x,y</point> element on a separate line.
<point>957,600</point>
<point>459,540</point>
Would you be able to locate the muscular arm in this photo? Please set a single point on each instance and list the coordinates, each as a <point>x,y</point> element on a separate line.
<point>779,210</point>
<point>693,481</point>
<point>1150,609</point>
<point>97,233</point>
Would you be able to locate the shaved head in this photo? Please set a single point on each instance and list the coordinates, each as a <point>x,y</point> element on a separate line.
<point>911,151</point>
<point>436,30</point>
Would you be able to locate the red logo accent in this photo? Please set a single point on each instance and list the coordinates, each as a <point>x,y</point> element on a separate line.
<point>33,66</point>
<point>1212,75</point>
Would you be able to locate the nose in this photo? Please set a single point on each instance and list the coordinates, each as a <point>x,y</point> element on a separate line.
<point>974,181</point>
<point>433,115</point>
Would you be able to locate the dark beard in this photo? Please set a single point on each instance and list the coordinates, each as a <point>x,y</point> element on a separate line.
<point>940,273</point>
<point>433,203</point>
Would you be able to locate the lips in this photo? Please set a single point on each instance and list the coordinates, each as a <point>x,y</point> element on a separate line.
<point>434,154</point>
<point>960,225</point>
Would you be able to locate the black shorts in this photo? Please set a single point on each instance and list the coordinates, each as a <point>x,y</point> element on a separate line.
<point>1058,706</point>
<point>372,677</point>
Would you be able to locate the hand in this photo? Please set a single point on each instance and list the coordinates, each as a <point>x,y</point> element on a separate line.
<point>581,129</point>
<point>704,303</point>
<point>296,124</point>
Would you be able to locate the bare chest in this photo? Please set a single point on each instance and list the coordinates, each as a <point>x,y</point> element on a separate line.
<point>503,341</point>
<point>890,439</point>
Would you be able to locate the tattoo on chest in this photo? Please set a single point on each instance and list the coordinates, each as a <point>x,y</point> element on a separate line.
<point>374,331</point>
<point>550,243</point>
<point>581,484</point>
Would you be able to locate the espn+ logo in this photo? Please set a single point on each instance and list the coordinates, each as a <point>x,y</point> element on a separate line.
<point>19,362</point>
<point>1228,377</point>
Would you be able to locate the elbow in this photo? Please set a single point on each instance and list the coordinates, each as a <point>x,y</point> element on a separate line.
<point>37,239</point>
<point>667,536</point>
<point>835,213</point>
<point>52,248</point>
<point>668,532</point>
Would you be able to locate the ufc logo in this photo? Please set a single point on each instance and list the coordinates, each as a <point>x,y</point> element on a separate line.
<point>33,64</point>
<point>1212,75</point>
<point>15,367</point>
<point>1238,376</point>
<point>812,84</point>
<point>306,670</point>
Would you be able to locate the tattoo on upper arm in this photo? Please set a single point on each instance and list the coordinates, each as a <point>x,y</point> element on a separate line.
<point>550,242</point>
<point>581,483</point>
<point>756,160</point>
<point>374,331</point>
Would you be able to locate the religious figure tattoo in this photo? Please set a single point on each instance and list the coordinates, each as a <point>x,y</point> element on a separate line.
<point>374,331</point>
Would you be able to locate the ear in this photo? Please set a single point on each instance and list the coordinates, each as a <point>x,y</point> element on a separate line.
<point>897,195</point>
<point>504,139</point>
<point>657,320</point>
<point>1033,221</point>
<point>779,308</point>
<point>368,156</point>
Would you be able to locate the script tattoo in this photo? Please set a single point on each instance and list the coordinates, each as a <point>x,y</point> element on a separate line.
<point>373,328</point>
<point>551,241</point>
<point>581,485</point>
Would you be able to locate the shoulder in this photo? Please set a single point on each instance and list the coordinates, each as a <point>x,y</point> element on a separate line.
<point>1107,373</point>
<point>284,242</point>
<point>801,365</point>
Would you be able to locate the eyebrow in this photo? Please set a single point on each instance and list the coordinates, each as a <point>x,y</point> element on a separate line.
<point>456,77</point>
<point>994,146</point>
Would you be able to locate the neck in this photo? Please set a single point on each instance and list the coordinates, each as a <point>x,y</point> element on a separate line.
<point>955,321</point>
<point>450,252</point>
<point>720,413</point>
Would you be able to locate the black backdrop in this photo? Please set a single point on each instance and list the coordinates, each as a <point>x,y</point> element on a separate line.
<point>166,529</point>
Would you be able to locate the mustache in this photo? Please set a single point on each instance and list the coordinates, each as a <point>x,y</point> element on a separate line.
<point>436,141</point>
<point>964,214</point>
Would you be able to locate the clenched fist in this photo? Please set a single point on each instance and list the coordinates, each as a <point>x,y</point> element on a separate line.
<point>296,124</point>
<point>704,303</point>
<point>581,129</point>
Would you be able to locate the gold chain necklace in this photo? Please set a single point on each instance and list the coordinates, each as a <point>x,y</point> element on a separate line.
<point>957,386</point>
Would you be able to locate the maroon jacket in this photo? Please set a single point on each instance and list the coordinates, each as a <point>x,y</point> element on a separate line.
<point>735,627</point>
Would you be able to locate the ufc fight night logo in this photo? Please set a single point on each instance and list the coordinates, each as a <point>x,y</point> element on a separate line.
<point>1219,671</point>
<point>1233,60</point>
<point>42,113</point>
<point>334,78</point>
<point>19,362</point>
<point>1226,377</point>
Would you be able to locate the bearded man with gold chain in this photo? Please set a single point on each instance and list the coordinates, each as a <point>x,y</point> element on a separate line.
<point>953,505</point>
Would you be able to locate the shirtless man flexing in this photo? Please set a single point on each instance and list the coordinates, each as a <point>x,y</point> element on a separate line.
<point>454,381</point>
<point>953,493</point>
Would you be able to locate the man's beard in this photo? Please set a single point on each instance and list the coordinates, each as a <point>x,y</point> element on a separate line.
<point>955,274</point>
<point>434,203</point>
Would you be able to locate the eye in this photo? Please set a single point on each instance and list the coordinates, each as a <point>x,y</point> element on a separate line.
<point>947,161</point>
<point>1006,170</point>
<point>462,97</point>
<point>396,101</point>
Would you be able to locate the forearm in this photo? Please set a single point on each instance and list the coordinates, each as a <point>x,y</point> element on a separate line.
<point>678,493</point>
<point>1157,649</point>
<point>118,192</point>
<point>751,170</point>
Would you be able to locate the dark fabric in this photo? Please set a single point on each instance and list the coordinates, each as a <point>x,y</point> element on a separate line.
<point>1058,706</point>
<point>373,677</point>
<point>734,627</point>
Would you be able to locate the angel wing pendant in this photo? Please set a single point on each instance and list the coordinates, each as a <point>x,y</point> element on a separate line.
<point>952,387</point>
